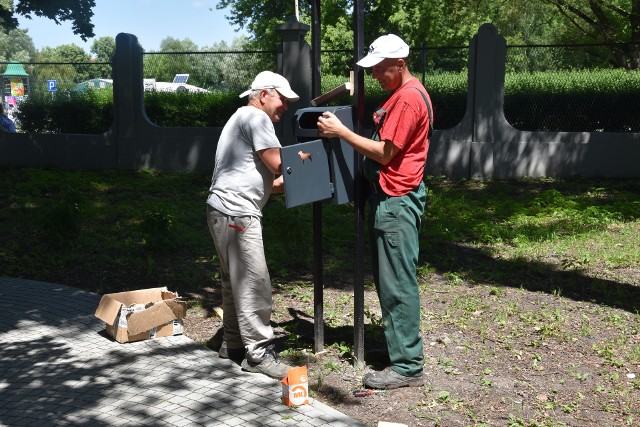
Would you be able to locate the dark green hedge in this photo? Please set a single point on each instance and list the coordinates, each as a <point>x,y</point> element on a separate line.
<point>90,112</point>
<point>574,101</point>
<point>604,100</point>
<point>191,109</point>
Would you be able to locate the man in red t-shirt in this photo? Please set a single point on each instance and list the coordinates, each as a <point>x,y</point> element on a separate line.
<point>394,163</point>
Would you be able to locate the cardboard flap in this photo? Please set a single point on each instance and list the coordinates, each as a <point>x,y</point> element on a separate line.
<point>108,309</point>
<point>109,306</point>
<point>157,314</point>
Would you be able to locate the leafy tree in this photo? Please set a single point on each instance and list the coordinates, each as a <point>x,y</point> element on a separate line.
<point>78,12</point>
<point>232,71</point>
<point>260,18</point>
<point>164,67</point>
<point>169,44</point>
<point>455,22</point>
<point>605,21</point>
<point>69,64</point>
<point>103,49</point>
<point>16,45</point>
<point>224,68</point>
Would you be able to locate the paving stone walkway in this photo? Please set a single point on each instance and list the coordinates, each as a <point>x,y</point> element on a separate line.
<point>57,367</point>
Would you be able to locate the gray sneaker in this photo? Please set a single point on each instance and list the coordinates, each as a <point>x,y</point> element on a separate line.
<point>269,365</point>
<point>390,379</point>
<point>235,354</point>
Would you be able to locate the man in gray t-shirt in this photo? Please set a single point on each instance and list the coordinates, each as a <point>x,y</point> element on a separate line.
<point>244,176</point>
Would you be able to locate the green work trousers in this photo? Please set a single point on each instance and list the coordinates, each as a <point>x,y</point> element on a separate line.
<point>394,224</point>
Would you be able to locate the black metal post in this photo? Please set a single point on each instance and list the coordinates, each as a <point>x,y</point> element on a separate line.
<point>358,285</point>
<point>318,284</point>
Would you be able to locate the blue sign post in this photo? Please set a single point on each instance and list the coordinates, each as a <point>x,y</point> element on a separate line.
<point>51,85</point>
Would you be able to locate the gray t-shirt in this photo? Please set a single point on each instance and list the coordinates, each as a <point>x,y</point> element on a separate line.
<point>241,182</point>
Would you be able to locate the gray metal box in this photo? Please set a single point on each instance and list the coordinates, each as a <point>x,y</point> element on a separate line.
<point>338,166</point>
<point>305,168</point>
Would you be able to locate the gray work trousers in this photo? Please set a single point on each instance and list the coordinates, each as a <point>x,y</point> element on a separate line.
<point>246,285</point>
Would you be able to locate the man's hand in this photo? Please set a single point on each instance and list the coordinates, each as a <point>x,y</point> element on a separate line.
<point>278,185</point>
<point>330,126</point>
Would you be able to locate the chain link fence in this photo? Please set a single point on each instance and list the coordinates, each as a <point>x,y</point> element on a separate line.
<point>547,88</point>
<point>572,88</point>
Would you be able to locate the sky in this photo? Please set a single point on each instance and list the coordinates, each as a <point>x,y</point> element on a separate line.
<point>149,20</point>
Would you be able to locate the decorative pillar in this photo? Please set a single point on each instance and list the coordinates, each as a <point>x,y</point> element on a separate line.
<point>294,64</point>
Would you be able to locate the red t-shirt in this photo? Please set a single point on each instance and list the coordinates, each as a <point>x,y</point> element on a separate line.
<point>406,124</point>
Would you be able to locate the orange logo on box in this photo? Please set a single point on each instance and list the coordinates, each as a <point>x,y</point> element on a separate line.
<point>299,391</point>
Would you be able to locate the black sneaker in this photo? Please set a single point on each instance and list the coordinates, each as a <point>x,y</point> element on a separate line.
<point>235,354</point>
<point>390,379</point>
<point>269,365</point>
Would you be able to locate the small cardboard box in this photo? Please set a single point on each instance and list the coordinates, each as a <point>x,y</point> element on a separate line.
<point>295,387</point>
<point>142,314</point>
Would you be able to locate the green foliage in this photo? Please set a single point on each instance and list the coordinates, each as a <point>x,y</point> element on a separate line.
<point>62,216</point>
<point>455,22</point>
<point>77,65</point>
<point>90,112</point>
<point>191,109</point>
<point>78,13</point>
<point>219,67</point>
<point>158,228</point>
<point>113,218</point>
<point>287,236</point>
<point>104,49</point>
<point>16,46</point>
<point>575,100</point>
<point>533,101</point>
<point>260,18</point>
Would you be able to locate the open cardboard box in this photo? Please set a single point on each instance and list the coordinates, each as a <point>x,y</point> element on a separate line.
<point>142,314</point>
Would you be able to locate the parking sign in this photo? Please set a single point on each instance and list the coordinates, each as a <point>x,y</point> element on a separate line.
<point>51,85</point>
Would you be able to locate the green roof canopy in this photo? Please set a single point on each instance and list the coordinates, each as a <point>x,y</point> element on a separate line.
<point>15,69</point>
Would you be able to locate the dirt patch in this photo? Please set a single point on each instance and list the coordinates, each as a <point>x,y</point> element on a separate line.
<point>495,355</point>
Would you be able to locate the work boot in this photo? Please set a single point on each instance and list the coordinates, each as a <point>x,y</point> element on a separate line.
<point>390,379</point>
<point>269,365</point>
<point>235,354</point>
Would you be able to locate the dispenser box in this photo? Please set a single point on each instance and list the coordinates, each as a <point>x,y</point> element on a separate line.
<point>316,168</point>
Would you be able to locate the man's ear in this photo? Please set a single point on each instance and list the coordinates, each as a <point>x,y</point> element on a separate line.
<point>263,94</point>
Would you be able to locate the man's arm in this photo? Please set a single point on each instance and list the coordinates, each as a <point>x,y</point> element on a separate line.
<point>380,151</point>
<point>271,158</point>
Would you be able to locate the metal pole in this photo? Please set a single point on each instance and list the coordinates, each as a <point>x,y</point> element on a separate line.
<point>358,285</point>
<point>318,297</point>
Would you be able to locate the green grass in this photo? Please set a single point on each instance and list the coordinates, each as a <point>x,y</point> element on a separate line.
<point>112,230</point>
<point>530,281</point>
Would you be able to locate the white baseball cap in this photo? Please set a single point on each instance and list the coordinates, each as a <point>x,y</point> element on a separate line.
<point>389,46</point>
<point>270,80</point>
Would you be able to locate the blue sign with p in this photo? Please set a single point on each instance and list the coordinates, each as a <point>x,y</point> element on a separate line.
<point>51,85</point>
